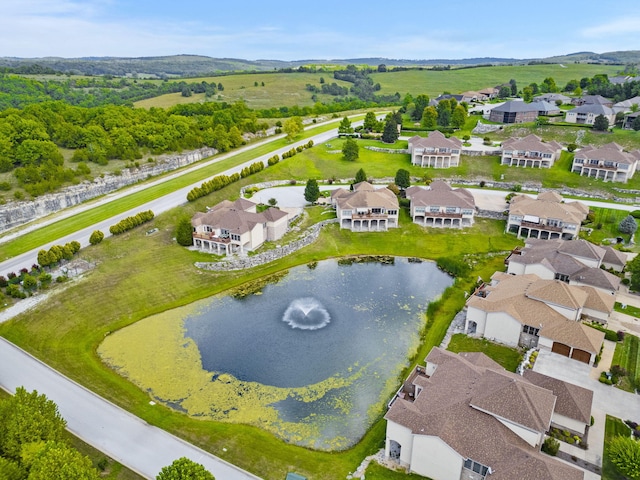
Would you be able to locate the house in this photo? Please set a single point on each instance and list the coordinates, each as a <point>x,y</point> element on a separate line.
<point>439,205</point>
<point>609,162</point>
<point>514,111</point>
<point>592,100</point>
<point>576,262</point>
<point>626,105</point>
<point>489,93</point>
<point>528,311</point>
<point>448,96</point>
<point>463,417</point>
<point>552,98</point>
<point>545,108</point>
<point>586,114</point>
<point>236,227</point>
<point>530,151</point>
<point>546,217</point>
<point>366,208</point>
<point>629,120</point>
<point>471,96</point>
<point>435,150</point>
<point>620,79</point>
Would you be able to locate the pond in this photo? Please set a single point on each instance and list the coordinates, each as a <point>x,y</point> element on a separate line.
<point>312,357</point>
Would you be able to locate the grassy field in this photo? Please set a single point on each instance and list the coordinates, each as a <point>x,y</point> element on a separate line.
<point>628,309</point>
<point>508,357</point>
<point>627,355</point>
<point>130,283</point>
<point>614,428</point>
<point>279,90</point>
<point>377,472</point>
<point>434,82</point>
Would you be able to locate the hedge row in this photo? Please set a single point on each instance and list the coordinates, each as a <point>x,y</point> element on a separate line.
<point>129,223</point>
<point>297,150</point>
<point>251,169</point>
<point>273,160</point>
<point>57,253</point>
<point>213,185</point>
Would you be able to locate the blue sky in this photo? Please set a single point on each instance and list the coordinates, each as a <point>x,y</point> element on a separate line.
<point>322,29</point>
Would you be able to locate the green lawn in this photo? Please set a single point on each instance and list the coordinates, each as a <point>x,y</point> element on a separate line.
<point>614,428</point>
<point>628,309</point>
<point>377,472</point>
<point>627,355</point>
<point>508,357</point>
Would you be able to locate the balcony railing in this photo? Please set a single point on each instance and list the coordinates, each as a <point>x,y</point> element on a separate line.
<point>540,226</point>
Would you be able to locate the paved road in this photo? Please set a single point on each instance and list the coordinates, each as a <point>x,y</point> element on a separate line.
<point>124,437</point>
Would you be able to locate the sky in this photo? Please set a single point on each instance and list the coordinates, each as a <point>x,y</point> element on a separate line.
<point>321,29</point>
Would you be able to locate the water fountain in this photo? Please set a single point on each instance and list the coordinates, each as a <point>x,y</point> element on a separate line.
<point>306,313</point>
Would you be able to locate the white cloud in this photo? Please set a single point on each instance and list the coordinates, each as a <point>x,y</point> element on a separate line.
<point>617,27</point>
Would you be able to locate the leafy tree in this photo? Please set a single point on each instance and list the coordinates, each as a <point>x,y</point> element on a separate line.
<point>624,453</point>
<point>403,179</point>
<point>345,127</point>
<point>459,117</point>
<point>430,118</point>
<point>370,122</point>
<point>58,461</point>
<point>390,133</point>
<point>601,123</point>
<point>628,225</point>
<point>235,137</point>
<point>549,85</point>
<point>44,259</point>
<point>361,176</point>
<point>311,191</point>
<point>10,470</point>
<point>96,237</point>
<point>293,127</point>
<point>444,113</point>
<point>29,282</point>
<point>514,87</point>
<point>28,418</point>
<point>633,267</point>
<point>184,232</point>
<point>351,150</point>
<point>504,91</point>
<point>421,102</point>
<point>184,469</point>
<point>527,94</point>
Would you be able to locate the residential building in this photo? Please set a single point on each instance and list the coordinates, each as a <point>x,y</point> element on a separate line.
<point>592,100</point>
<point>609,162</point>
<point>447,96</point>
<point>627,123</point>
<point>530,151</point>
<point>463,417</point>
<point>621,79</point>
<point>546,108</point>
<point>546,216</point>
<point>366,208</point>
<point>552,98</point>
<point>626,105</point>
<point>525,310</point>
<point>435,150</point>
<point>586,114</point>
<point>439,205</point>
<point>236,227</point>
<point>514,111</point>
<point>576,262</point>
<point>489,93</point>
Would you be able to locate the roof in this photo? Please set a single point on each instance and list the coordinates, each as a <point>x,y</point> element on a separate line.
<point>611,152</point>
<point>440,193</point>
<point>435,139</point>
<point>531,143</point>
<point>614,257</point>
<point>594,108</point>
<point>464,403</point>
<point>594,100</point>
<point>365,195</point>
<point>235,216</point>
<point>552,97</point>
<point>549,205</point>
<point>516,106</point>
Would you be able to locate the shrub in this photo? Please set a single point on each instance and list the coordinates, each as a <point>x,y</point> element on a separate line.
<point>551,446</point>
<point>454,266</point>
<point>132,222</point>
<point>624,453</point>
<point>620,334</point>
<point>572,147</point>
<point>618,371</point>
<point>517,187</point>
<point>96,237</point>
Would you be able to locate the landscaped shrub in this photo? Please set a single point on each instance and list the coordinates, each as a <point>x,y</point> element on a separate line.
<point>624,453</point>
<point>129,223</point>
<point>96,237</point>
<point>551,446</point>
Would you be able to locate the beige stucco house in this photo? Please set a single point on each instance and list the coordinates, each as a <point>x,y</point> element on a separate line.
<point>236,227</point>
<point>525,310</point>
<point>586,114</point>
<point>366,208</point>
<point>546,216</point>
<point>435,150</point>
<point>463,417</point>
<point>530,151</point>
<point>576,262</point>
<point>439,205</point>
<point>609,162</point>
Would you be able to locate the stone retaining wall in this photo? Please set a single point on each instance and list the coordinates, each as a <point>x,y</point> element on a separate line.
<point>240,263</point>
<point>18,213</point>
<point>404,151</point>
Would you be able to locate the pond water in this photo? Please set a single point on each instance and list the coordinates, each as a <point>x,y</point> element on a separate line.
<point>313,358</point>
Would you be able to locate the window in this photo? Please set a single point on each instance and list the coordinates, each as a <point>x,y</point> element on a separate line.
<point>376,210</point>
<point>346,213</point>
<point>235,237</point>
<point>530,330</point>
<point>467,211</point>
<point>476,467</point>
<point>394,212</point>
<point>562,277</point>
<point>451,209</point>
<point>434,209</point>
<point>417,210</point>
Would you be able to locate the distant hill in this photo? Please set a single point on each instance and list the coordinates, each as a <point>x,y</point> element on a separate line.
<point>197,65</point>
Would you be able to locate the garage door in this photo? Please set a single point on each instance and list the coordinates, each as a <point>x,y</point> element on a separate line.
<point>561,348</point>
<point>581,355</point>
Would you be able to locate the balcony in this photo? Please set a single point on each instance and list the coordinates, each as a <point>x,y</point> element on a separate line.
<point>212,238</point>
<point>540,226</point>
<point>408,389</point>
<point>369,216</point>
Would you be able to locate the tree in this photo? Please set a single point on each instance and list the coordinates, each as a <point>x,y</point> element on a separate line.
<point>184,232</point>
<point>292,127</point>
<point>370,122</point>
<point>504,91</point>
<point>421,102</point>
<point>624,453</point>
<point>430,118</point>
<point>96,237</point>
<point>58,461</point>
<point>458,117</point>
<point>527,94</point>
<point>235,137</point>
<point>444,113</point>
<point>601,123</point>
<point>403,179</point>
<point>361,176</point>
<point>628,225</point>
<point>184,469</point>
<point>345,127</point>
<point>549,85</point>
<point>514,87</point>
<point>351,150</point>
<point>636,123</point>
<point>390,133</point>
<point>311,191</point>
<point>10,470</point>
<point>28,418</point>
